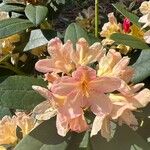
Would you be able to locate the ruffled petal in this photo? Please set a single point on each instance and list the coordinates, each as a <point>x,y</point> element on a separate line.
<point>62,125</point>
<point>105,84</point>
<point>46,66</point>
<point>100,104</point>
<point>78,124</point>
<point>97,124</point>
<point>142,98</point>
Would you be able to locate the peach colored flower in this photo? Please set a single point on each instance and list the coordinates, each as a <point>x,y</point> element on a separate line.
<point>145,7</point>
<point>25,122</point>
<point>85,54</point>
<point>60,58</point>
<point>64,124</point>
<point>65,59</point>
<point>2,148</point>
<point>147,37</point>
<point>114,65</point>
<point>109,28</point>
<point>85,90</point>
<point>8,130</point>
<point>145,19</point>
<point>123,105</point>
<point>48,108</point>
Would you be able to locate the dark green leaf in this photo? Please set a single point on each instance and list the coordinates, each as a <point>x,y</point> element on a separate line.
<point>4,111</point>
<point>12,26</point>
<point>60,2</point>
<point>12,8</point>
<point>79,141</point>
<point>133,18</point>
<point>36,14</point>
<point>142,66</point>
<point>74,32</point>
<point>16,92</point>
<point>129,41</point>
<point>124,139</point>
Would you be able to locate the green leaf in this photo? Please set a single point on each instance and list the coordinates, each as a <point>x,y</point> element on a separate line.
<point>4,111</point>
<point>12,26</point>
<point>16,92</point>
<point>124,139</point>
<point>133,18</point>
<point>39,37</point>
<point>60,2</point>
<point>79,141</point>
<point>36,39</point>
<point>44,137</point>
<point>36,14</point>
<point>142,66</point>
<point>129,41</point>
<point>74,32</point>
<point>12,7</point>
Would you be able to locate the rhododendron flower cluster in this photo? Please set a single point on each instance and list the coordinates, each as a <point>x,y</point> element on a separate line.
<point>125,27</point>
<point>145,19</point>
<point>87,79</point>
<point>8,127</point>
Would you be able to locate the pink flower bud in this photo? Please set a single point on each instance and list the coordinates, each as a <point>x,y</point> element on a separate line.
<point>126,25</point>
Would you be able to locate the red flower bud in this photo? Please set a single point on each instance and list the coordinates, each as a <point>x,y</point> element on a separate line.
<point>126,25</point>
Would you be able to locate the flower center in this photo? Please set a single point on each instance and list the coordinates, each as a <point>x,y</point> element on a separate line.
<point>85,88</point>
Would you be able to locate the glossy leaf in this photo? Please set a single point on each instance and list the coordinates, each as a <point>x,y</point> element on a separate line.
<point>39,37</point>
<point>122,9</point>
<point>36,39</point>
<point>74,32</point>
<point>12,7</point>
<point>12,26</point>
<point>129,41</point>
<point>16,92</point>
<point>142,66</point>
<point>124,139</point>
<point>36,14</point>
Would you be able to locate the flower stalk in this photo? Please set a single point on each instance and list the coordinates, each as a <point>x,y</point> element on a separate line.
<point>96,18</point>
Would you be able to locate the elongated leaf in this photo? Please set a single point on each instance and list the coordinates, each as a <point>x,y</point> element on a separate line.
<point>60,2</point>
<point>36,14</point>
<point>12,26</point>
<point>142,66</point>
<point>39,37</point>
<point>129,40</point>
<point>125,139</point>
<point>16,92</point>
<point>74,32</point>
<point>12,8</point>
<point>44,137</point>
<point>36,39</point>
<point>133,18</point>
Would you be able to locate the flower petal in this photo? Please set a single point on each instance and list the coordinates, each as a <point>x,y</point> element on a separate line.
<point>105,84</point>
<point>100,104</point>
<point>97,125</point>
<point>78,124</point>
<point>142,98</point>
<point>46,65</point>
<point>62,125</point>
